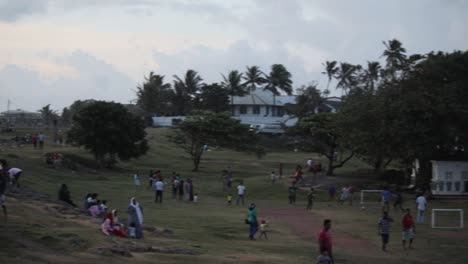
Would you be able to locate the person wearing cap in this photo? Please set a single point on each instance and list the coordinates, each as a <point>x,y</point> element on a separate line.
<point>253,223</point>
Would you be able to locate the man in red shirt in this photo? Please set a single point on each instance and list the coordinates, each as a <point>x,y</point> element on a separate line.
<point>325,239</point>
<point>408,229</point>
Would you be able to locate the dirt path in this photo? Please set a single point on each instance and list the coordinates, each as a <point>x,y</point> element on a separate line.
<point>306,225</point>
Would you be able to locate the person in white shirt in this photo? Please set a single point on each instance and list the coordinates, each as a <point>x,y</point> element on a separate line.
<point>240,193</point>
<point>422,203</point>
<point>14,174</point>
<point>273,177</point>
<point>159,187</point>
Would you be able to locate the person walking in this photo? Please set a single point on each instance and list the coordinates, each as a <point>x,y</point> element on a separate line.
<point>384,229</point>
<point>240,193</point>
<point>41,138</point>
<point>325,239</point>
<point>135,217</point>
<point>159,188</point>
<point>252,219</point>
<point>422,203</point>
<point>292,193</point>
<point>408,229</point>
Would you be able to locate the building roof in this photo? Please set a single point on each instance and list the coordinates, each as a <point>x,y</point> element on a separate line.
<point>262,97</point>
<point>19,112</point>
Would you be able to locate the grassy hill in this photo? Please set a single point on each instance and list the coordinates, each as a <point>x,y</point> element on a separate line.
<point>40,230</point>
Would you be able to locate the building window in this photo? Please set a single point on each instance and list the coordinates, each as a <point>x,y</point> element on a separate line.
<point>243,109</point>
<point>256,109</point>
<point>441,186</point>
<point>457,186</point>
<point>448,175</point>
<point>448,186</point>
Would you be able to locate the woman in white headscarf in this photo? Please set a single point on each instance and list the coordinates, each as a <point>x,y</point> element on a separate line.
<point>135,217</point>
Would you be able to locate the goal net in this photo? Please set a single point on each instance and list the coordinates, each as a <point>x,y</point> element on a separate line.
<point>447,218</point>
<point>371,197</point>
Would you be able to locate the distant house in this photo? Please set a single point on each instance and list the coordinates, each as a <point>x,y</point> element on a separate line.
<point>449,177</point>
<point>20,117</point>
<point>261,107</point>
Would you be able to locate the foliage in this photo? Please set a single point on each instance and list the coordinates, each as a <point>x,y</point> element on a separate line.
<point>108,131</point>
<point>213,129</point>
<point>212,97</point>
<point>253,77</point>
<point>308,99</point>
<point>185,92</point>
<point>48,114</point>
<point>75,107</point>
<point>320,133</point>
<point>155,96</point>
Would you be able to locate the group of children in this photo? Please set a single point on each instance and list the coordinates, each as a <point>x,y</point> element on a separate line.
<point>94,206</point>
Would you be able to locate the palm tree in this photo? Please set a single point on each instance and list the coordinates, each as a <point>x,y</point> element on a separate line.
<point>330,71</point>
<point>185,90</point>
<point>394,55</point>
<point>47,114</point>
<point>232,83</point>
<point>253,77</point>
<point>278,79</point>
<point>346,76</point>
<point>371,75</point>
<point>153,95</point>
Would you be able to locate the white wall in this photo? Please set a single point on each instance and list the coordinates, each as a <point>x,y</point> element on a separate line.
<point>450,177</point>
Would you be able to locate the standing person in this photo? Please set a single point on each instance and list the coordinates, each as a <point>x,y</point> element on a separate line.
<point>240,193</point>
<point>229,199</point>
<point>325,239</point>
<point>41,138</point>
<point>298,175</point>
<point>310,198</point>
<point>34,140</point>
<point>309,165</point>
<point>159,188</point>
<point>273,177</point>
<point>344,194</point>
<point>135,217</point>
<point>64,195</point>
<point>292,193</point>
<point>252,219</point>
<point>181,190</point>
<point>331,192</point>
<point>386,195</point>
<point>191,190</point>
<point>263,229</point>
<point>175,186</point>
<point>187,191</point>
<point>3,185</point>
<point>422,202</point>
<point>14,174</point>
<point>398,200</point>
<point>384,229</point>
<point>136,179</point>
<point>408,229</point>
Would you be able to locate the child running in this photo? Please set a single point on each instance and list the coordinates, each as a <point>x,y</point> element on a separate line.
<point>263,229</point>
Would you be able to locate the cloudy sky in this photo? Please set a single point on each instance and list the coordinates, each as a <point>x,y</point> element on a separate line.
<point>58,51</point>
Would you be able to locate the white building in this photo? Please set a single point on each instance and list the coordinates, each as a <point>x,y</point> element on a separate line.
<point>449,177</point>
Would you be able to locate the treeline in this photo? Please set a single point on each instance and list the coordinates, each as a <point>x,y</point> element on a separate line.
<point>413,107</point>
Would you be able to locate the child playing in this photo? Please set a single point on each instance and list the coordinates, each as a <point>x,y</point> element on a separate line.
<point>132,230</point>
<point>103,207</point>
<point>273,177</point>
<point>263,229</point>
<point>195,198</point>
<point>229,199</point>
<point>324,258</point>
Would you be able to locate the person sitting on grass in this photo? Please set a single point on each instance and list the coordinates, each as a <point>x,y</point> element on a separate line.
<point>103,207</point>
<point>107,224</point>
<point>118,228</point>
<point>384,229</point>
<point>94,210</point>
<point>64,195</point>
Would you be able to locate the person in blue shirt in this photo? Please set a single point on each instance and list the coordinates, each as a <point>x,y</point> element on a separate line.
<point>386,195</point>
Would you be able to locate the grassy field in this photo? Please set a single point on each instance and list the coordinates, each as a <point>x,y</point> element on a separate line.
<point>36,234</point>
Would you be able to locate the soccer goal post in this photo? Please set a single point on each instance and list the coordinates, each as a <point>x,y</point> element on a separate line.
<point>373,196</point>
<point>447,217</point>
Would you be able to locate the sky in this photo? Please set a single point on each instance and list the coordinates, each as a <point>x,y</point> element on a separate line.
<point>58,51</point>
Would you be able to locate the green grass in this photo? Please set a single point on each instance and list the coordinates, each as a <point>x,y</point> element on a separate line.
<point>211,227</point>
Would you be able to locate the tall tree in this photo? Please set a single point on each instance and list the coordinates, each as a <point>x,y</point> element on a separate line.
<point>154,96</point>
<point>212,97</point>
<point>346,76</point>
<point>320,133</point>
<point>371,75</point>
<point>395,57</point>
<point>208,128</point>
<point>185,91</point>
<point>278,80</point>
<point>330,70</point>
<point>48,114</point>
<point>253,77</point>
<point>108,131</point>
<point>233,84</point>
<point>307,100</point>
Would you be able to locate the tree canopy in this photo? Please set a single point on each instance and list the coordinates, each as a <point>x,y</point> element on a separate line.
<point>108,131</point>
